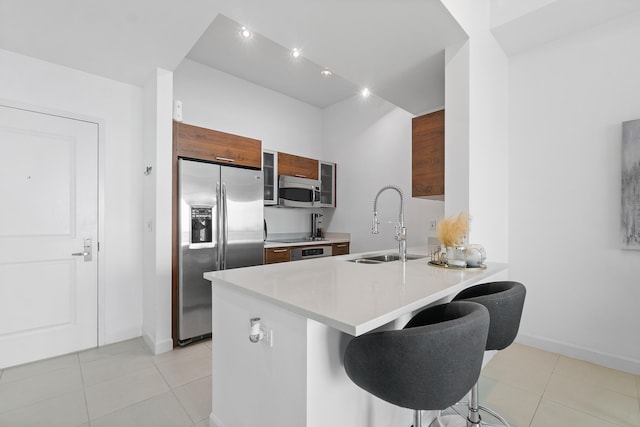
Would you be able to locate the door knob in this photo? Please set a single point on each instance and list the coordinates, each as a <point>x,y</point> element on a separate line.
<point>87,250</point>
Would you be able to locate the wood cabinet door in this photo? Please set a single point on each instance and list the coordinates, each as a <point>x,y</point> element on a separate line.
<point>205,144</point>
<point>427,156</point>
<point>292,165</point>
<point>275,255</point>
<point>340,249</point>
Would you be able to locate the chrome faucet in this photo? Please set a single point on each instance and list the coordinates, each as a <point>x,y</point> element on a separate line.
<point>401,230</point>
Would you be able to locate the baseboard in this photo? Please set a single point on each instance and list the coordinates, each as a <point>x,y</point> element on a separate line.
<point>613,361</point>
<point>159,347</point>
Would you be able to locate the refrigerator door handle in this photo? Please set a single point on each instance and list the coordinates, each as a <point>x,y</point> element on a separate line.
<point>219,227</point>
<point>225,227</point>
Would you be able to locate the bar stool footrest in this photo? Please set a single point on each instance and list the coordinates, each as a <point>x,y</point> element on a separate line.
<point>462,415</point>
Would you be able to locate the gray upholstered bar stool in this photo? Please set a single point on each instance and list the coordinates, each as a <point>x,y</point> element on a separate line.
<point>429,365</point>
<point>505,301</point>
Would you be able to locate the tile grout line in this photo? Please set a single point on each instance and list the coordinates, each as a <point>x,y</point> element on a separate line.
<point>134,403</point>
<point>45,398</point>
<point>123,352</point>
<point>603,387</point>
<point>579,410</point>
<point>589,414</point>
<point>84,390</point>
<point>545,389</point>
<point>193,423</point>
<point>172,389</point>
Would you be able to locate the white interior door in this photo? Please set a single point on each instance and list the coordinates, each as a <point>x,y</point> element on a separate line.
<point>48,211</point>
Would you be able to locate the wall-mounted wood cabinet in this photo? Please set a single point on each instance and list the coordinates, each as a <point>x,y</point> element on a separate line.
<point>205,144</point>
<point>427,156</point>
<point>292,165</point>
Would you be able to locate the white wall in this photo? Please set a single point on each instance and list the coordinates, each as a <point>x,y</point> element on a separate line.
<point>371,142</point>
<point>219,101</point>
<point>476,165</point>
<point>157,252</point>
<point>118,106</point>
<point>567,101</point>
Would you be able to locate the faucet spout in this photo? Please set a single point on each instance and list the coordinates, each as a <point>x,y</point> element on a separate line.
<point>401,230</point>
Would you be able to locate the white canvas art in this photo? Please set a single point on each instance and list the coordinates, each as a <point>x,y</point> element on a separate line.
<point>630,212</point>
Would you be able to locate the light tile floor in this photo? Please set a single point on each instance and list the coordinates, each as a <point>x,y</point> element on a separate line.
<point>123,385</point>
<point>535,388</point>
<point>118,385</point>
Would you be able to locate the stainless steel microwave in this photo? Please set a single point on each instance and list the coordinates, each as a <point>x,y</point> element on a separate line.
<point>298,192</point>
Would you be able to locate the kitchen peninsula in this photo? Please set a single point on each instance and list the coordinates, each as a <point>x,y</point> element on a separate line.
<point>309,310</point>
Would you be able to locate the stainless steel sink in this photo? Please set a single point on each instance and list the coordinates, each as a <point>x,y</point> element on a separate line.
<point>365,261</point>
<point>379,259</point>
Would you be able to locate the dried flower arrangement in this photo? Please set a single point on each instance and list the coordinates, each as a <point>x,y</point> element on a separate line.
<point>451,230</point>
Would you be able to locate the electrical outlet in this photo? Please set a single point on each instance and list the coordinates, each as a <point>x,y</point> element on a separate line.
<point>268,337</point>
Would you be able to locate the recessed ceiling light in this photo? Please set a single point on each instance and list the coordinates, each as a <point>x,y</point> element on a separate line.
<point>365,92</point>
<point>295,52</point>
<point>245,33</point>
<point>326,72</point>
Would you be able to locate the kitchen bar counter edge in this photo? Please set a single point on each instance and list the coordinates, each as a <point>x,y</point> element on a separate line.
<point>350,297</point>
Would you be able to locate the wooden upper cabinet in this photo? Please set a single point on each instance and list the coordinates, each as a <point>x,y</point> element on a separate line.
<point>427,156</point>
<point>205,144</point>
<point>291,165</point>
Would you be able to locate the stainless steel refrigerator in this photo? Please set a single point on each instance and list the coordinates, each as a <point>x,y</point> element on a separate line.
<point>221,227</point>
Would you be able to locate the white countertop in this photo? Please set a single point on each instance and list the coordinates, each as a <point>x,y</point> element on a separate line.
<point>353,298</point>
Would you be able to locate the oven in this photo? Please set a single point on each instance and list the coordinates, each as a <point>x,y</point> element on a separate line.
<point>308,252</point>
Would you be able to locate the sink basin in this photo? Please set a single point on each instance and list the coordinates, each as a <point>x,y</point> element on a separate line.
<point>365,261</point>
<point>379,259</point>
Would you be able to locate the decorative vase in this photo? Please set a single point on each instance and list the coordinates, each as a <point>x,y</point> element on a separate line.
<point>457,256</point>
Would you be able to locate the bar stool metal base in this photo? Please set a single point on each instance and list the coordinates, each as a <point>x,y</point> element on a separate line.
<point>460,420</point>
<point>472,418</point>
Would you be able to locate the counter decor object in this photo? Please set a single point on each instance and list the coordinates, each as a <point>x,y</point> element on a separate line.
<point>456,256</point>
<point>451,232</point>
<point>474,257</point>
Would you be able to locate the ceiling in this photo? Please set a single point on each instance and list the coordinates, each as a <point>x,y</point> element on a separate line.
<point>395,48</point>
<point>520,25</point>
<point>266,63</point>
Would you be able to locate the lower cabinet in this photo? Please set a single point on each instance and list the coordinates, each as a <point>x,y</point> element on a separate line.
<point>340,249</point>
<point>283,253</point>
<point>275,255</point>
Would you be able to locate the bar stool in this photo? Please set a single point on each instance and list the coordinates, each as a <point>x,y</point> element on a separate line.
<point>429,365</point>
<point>505,301</point>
